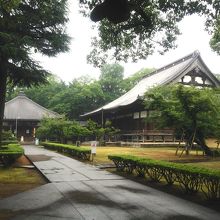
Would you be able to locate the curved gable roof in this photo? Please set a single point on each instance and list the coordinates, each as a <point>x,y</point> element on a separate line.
<point>21,107</point>
<point>168,74</point>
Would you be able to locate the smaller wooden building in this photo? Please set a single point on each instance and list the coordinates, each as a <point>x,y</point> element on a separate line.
<point>22,117</point>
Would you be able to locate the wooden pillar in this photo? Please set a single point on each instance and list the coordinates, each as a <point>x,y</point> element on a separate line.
<point>102,118</point>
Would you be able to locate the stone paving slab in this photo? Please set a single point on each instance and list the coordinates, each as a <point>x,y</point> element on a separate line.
<point>59,168</point>
<point>42,201</point>
<point>81,191</point>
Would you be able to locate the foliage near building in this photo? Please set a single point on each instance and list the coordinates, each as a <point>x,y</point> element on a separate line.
<point>193,113</point>
<point>82,94</point>
<point>61,130</point>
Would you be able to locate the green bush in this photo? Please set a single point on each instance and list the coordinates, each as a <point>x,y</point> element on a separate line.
<point>8,138</point>
<point>79,152</point>
<point>7,135</point>
<point>9,153</point>
<point>6,142</point>
<point>190,178</point>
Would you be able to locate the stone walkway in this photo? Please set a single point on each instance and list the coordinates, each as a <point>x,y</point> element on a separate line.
<point>80,191</point>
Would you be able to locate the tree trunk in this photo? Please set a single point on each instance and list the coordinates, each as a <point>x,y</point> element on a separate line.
<point>3,83</point>
<point>201,142</point>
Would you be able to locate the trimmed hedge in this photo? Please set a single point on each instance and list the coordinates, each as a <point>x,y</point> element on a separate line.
<point>9,153</point>
<point>79,152</point>
<point>192,179</point>
<point>6,142</point>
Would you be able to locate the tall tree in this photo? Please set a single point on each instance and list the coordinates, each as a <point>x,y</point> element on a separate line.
<point>215,40</point>
<point>44,94</point>
<point>79,97</point>
<point>111,81</point>
<point>188,110</point>
<point>27,27</point>
<point>134,29</point>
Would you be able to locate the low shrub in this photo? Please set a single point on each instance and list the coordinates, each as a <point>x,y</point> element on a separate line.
<point>79,152</point>
<point>9,153</point>
<point>192,179</point>
<point>6,142</point>
<point>7,135</point>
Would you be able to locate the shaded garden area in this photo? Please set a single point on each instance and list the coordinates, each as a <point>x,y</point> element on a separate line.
<point>19,177</point>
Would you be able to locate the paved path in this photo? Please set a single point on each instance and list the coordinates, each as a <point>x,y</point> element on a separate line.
<point>80,191</point>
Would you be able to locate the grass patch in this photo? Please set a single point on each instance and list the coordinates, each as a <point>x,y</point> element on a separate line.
<point>208,164</point>
<point>164,153</point>
<point>14,180</point>
<point>18,176</point>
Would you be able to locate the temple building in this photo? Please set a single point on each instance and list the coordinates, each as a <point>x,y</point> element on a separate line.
<point>128,112</point>
<point>22,117</point>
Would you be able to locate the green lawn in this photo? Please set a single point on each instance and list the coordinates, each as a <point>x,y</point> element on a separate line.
<point>18,176</point>
<point>160,153</point>
<point>14,180</point>
<point>209,164</point>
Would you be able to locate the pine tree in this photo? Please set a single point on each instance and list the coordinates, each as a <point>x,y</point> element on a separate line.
<point>28,26</point>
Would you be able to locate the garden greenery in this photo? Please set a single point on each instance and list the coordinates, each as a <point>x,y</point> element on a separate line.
<point>60,130</point>
<point>9,153</point>
<point>79,152</point>
<point>192,179</point>
<point>191,112</point>
<point>8,138</point>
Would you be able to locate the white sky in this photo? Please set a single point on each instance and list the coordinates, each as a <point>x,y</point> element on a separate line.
<point>73,64</point>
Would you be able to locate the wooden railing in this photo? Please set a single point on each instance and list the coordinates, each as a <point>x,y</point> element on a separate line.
<point>148,135</point>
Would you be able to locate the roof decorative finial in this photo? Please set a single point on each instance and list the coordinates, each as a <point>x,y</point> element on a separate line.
<point>196,53</point>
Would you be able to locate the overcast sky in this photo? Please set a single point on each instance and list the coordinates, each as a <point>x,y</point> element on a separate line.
<point>73,64</point>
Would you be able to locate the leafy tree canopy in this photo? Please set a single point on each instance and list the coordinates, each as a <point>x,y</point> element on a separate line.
<point>27,27</point>
<point>188,110</point>
<point>60,129</point>
<point>111,81</point>
<point>144,26</point>
<point>43,31</point>
<point>82,94</point>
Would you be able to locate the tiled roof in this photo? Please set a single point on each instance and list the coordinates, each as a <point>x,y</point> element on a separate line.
<point>168,74</point>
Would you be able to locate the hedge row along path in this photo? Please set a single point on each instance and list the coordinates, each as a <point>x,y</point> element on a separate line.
<point>78,152</point>
<point>81,191</point>
<point>192,179</point>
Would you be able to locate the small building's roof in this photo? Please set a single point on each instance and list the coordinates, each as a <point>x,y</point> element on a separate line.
<point>170,73</point>
<point>23,108</point>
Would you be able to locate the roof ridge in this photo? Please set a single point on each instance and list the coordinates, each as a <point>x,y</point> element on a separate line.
<point>11,100</point>
<point>194,54</point>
